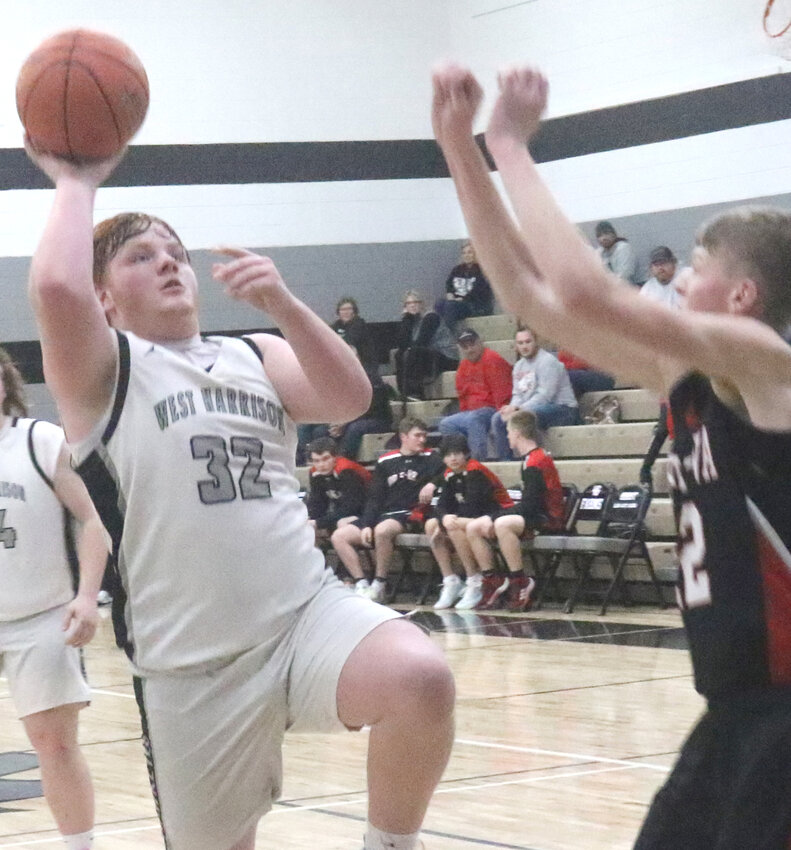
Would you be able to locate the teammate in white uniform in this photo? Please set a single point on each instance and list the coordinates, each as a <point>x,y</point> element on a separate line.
<point>42,622</point>
<point>236,630</point>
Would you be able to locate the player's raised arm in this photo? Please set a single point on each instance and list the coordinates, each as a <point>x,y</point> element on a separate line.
<point>521,281</point>
<point>726,332</point>
<point>78,347</point>
<point>316,374</point>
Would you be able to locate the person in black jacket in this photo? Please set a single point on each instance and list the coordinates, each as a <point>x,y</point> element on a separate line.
<point>337,489</point>
<point>378,419</point>
<point>425,347</point>
<point>354,330</point>
<point>468,490</point>
<point>401,490</point>
<point>467,291</point>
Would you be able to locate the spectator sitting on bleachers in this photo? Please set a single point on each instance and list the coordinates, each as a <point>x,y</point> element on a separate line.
<point>337,488</point>
<point>401,490</point>
<point>425,347</point>
<point>354,330</point>
<point>541,385</point>
<point>467,291</point>
<point>584,378</point>
<point>468,490</point>
<point>483,385</point>
<point>616,253</point>
<point>661,286</point>
<point>540,508</point>
<point>378,419</point>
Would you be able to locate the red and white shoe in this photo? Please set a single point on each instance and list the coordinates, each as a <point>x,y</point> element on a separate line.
<point>494,586</point>
<point>520,592</point>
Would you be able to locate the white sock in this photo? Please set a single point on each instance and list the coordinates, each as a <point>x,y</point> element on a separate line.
<point>375,839</point>
<point>83,841</point>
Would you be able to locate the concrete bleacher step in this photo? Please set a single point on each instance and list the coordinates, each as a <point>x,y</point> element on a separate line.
<point>430,411</point>
<point>498,326</point>
<point>445,385</point>
<point>619,471</point>
<point>621,440</point>
<point>636,405</point>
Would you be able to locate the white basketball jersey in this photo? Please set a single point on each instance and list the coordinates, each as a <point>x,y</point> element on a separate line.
<point>34,565</point>
<point>194,480</point>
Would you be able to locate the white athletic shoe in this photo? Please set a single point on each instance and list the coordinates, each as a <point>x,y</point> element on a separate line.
<point>103,598</point>
<point>452,589</point>
<point>377,591</point>
<point>362,587</point>
<point>473,593</point>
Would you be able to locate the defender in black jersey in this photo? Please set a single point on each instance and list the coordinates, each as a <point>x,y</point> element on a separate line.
<point>401,491</point>
<point>723,363</point>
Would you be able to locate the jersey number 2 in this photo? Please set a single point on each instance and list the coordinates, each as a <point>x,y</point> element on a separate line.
<point>221,486</point>
<point>692,549</point>
<point>7,534</point>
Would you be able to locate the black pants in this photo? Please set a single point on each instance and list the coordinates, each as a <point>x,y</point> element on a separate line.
<point>416,367</point>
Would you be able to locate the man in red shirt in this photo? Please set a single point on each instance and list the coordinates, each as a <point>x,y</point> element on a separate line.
<point>483,384</point>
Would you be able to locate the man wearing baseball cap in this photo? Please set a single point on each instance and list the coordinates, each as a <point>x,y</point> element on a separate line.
<point>483,385</point>
<point>661,286</point>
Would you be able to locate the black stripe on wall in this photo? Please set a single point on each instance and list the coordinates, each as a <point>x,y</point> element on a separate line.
<point>725,107</point>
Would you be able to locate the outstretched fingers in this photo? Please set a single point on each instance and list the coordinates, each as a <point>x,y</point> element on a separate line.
<point>521,103</point>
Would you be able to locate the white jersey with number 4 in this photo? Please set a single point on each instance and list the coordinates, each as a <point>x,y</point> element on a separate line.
<point>193,476</point>
<point>34,566</point>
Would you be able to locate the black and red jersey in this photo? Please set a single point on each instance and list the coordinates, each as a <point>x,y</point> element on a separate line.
<point>471,493</point>
<point>731,485</point>
<point>339,494</point>
<point>397,481</point>
<point>541,504</point>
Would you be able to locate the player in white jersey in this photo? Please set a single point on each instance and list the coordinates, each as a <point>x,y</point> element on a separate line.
<point>42,622</point>
<point>236,629</point>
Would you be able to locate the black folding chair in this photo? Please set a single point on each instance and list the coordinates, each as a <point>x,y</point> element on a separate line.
<point>542,550</point>
<point>546,550</point>
<point>620,539</point>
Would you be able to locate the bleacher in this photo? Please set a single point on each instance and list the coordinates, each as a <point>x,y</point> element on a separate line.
<point>583,454</point>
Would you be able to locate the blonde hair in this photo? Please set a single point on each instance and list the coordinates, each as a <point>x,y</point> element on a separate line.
<point>14,401</point>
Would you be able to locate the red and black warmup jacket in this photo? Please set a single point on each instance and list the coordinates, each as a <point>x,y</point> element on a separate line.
<point>397,482</point>
<point>340,494</point>
<point>542,493</point>
<point>471,493</point>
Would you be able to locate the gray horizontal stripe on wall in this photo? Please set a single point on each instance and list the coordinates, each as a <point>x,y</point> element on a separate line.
<point>725,107</point>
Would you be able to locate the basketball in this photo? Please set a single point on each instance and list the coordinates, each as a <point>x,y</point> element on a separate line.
<point>82,95</point>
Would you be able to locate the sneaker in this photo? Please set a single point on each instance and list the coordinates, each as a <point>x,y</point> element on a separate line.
<point>377,591</point>
<point>494,586</point>
<point>520,590</point>
<point>472,594</point>
<point>103,598</point>
<point>452,589</point>
<point>362,587</point>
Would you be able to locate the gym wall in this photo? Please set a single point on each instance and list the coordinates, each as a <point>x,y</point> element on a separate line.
<point>301,128</point>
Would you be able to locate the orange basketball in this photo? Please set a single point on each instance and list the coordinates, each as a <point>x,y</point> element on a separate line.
<point>82,95</point>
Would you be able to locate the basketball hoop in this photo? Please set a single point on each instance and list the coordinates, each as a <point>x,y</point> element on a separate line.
<point>777,26</point>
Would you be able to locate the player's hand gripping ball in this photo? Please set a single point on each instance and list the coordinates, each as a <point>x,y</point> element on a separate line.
<point>82,95</point>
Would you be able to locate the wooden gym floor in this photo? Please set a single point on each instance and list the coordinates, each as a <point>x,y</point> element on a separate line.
<point>566,725</point>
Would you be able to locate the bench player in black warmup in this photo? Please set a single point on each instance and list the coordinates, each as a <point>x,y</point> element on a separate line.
<point>726,370</point>
<point>468,490</point>
<point>337,488</point>
<point>401,490</point>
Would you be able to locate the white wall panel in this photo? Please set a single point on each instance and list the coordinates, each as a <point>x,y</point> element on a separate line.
<point>262,214</point>
<point>601,53</point>
<point>727,166</point>
<point>255,70</point>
